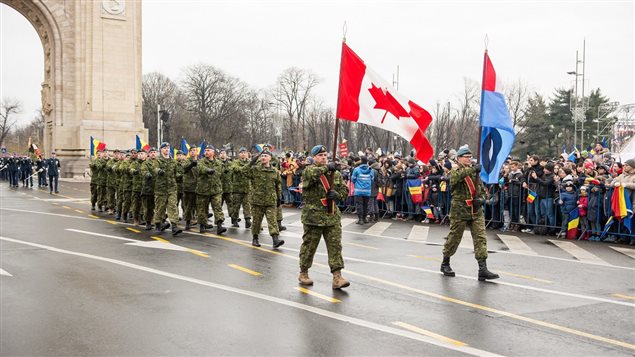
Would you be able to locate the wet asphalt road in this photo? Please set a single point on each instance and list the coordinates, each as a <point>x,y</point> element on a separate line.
<point>75,282</point>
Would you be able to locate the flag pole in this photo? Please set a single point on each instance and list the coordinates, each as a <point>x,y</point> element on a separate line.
<point>480,127</point>
<point>330,204</point>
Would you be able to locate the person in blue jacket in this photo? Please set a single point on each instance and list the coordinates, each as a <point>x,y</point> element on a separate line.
<point>568,202</point>
<point>362,178</point>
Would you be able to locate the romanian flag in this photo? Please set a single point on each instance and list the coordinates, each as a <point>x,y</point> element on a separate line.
<point>185,147</point>
<point>142,145</point>
<point>95,146</point>
<point>428,211</point>
<point>531,196</point>
<point>572,225</point>
<point>201,149</point>
<point>414,187</point>
<point>607,226</point>
<point>443,186</point>
<point>173,151</point>
<point>622,207</point>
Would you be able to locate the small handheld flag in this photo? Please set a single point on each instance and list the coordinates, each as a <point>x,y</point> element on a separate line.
<point>531,196</point>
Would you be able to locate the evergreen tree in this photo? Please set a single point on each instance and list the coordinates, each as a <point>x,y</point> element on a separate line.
<point>535,134</point>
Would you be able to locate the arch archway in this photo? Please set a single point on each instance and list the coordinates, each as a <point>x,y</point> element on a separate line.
<point>92,75</point>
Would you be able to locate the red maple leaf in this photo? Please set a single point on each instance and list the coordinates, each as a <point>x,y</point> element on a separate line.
<point>385,100</point>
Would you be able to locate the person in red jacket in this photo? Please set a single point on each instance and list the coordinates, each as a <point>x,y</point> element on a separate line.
<point>583,204</point>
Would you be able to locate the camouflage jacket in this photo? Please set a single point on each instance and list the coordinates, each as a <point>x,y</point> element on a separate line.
<point>209,184</point>
<point>241,182</point>
<point>147,171</point>
<point>461,193</point>
<point>166,182</point>
<point>266,184</point>
<point>314,212</point>
<point>123,172</point>
<point>179,174</point>
<point>111,176</point>
<point>137,177</point>
<point>94,171</point>
<point>226,176</point>
<point>190,175</point>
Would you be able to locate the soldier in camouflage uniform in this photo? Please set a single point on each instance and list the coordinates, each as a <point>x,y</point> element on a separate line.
<point>121,196</point>
<point>165,191</point>
<point>147,188</point>
<point>94,177</point>
<point>180,160</point>
<point>111,181</point>
<point>466,211</point>
<point>190,175</point>
<point>102,168</point>
<point>276,164</point>
<point>209,190</point>
<point>266,192</point>
<point>241,188</point>
<point>137,185</point>
<point>316,220</point>
<point>126,183</point>
<point>226,179</point>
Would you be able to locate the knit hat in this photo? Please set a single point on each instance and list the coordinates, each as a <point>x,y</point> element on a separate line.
<point>448,165</point>
<point>589,165</point>
<point>630,162</point>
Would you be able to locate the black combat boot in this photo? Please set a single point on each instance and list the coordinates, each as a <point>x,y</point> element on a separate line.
<point>92,208</point>
<point>277,242</point>
<point>483,273</point>
<point>148,226</point>
<point>365,219</point>
<point>219,228</point>
<point>235,223</point>
<point>124,217</point>
<point>445,267</point>
<point>281,227</point>
<point>202,228</point>
<point>176,230</point>
<point>164,226</point>
<point>247,222</point>
<point>360,220</point>
<point>188,225</point>
<point>254,241</point>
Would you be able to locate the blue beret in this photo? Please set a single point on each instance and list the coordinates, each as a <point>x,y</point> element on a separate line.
<point>242,149</point>
<point>463,150</point>
<point>165,144</point>
<point>318,149</point>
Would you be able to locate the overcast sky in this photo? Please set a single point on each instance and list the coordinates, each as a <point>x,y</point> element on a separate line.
<point>435,43</point>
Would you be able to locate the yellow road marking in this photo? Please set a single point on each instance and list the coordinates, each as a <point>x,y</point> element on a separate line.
<point>66,207</point>
<point>248,271</point>
<point>133,230</point>
<point>93,216</point>
<point>452,300</point>
<point>159,239</point>
<point>624,296</point>
<point>318,295</point>
<point>360,245</point>
<point>78,211</point>
<point>199,253</point>
<point>111,222</point>
<point>429,334</point>
<point>426,258</point>
<point>525,277</point>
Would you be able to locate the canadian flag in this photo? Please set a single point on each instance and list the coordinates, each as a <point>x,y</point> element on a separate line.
<point>365,97</point>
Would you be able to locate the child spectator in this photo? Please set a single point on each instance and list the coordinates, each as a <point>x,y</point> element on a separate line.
<point>583,203</point>
<point>568,200</point>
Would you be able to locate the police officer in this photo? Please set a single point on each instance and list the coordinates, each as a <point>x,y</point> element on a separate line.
<point>190,175</point>
<point>147,188</point>
<point>466,210</point>
<point>241,188</point>
<point>53,167</point>
<point>266,192</point>
<point>316,220</point>
<point>165,192</point>
<point>209,189</point>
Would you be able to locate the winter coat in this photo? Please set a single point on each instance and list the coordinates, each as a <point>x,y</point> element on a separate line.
<point>363,177</point>
<point>546,186</point>
<point>374,187</point>
<point>583,204</point>
<point>595,206</point>
<point>569,201</point>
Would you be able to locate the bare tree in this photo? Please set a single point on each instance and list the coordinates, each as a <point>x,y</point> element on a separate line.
<point>517,95</point>
<point>8,108</point>
<point>293,91</point>
<point>442,128</point>
<point>158,89</point>
<point>466,115</point>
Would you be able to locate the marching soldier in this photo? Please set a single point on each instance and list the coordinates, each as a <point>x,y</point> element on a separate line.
<point>165,192</point>
<point>93,181</point>
<point>317,222</point>
<point>466,210</point>
<point>126,183</point>
<point>190,175</point>
<point>137,185</point>
<point>209,189</point>
<point>276,165</point>
<point>147,187</point>
<point>180,160</point>
<point>266,193</point>
<point>241,188</point>
<point>111,178</point>
<point>102,176</point>
<point>118,179</point>
<point>53,169</point>
<point>226,179</point>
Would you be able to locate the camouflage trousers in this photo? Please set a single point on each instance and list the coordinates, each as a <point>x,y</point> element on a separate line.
<point>126,201</point>
<point>226,198</point>
<point>240,199</point>
<point>165,202</point>
<point>477,228</point>
<point>94,193</point>
<point>147,206</point>
<point>102,200</point>
<point>202,207</point>
<point>135,205</point>
<point>189,205</point>
<point>279,213</point>
<point>310,241</point>
<point>120,198</point>
<point>112,191</point>
<point>179,198</point>
<point>261,211</point>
